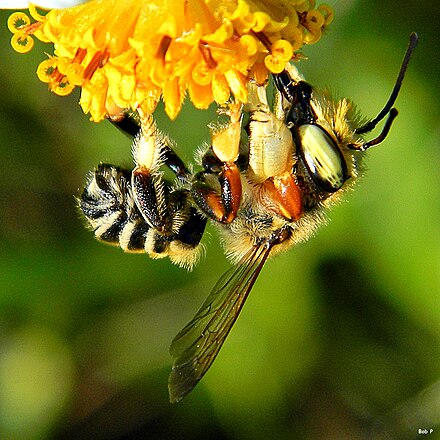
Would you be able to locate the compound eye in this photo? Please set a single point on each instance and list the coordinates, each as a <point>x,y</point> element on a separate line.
<point>322,157</point>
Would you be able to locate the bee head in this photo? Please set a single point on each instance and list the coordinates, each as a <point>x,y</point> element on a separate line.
<point>318,145</point>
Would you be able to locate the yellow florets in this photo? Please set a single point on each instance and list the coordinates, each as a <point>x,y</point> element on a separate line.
<point>129,54</point>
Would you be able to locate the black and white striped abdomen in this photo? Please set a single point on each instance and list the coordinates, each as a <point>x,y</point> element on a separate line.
<point>107,203</point>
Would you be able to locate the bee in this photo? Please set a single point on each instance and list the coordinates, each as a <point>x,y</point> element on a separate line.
<point>266,184</point>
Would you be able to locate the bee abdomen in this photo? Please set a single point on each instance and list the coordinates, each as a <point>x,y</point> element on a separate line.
<point>108,205</point>
<point>110,227</point>
<point>132,237</point>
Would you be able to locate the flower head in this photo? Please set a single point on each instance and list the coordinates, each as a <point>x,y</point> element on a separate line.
<point>129,54</point>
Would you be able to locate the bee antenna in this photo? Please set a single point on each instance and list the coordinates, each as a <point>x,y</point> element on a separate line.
<point>413,40</point>
<point>383,134</point>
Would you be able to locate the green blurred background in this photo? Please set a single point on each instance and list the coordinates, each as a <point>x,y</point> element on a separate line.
<point>340,337</point>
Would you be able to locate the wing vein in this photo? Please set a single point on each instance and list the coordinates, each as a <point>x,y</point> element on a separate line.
<point>196,346</point>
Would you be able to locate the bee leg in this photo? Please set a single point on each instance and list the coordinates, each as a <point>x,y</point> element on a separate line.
<point>146,150</point>
<point>286,85</point>
<point>149,194</point>
<point>126,123</point>
<point>149,189</point>
<point>285,194</point>
<point>298,94</point>
<point>176,227</point>
<point>217,190</point>
<point>181,244</point>
<point>150,149</point>
<point>220,205</point>
<point>183,225</point>
<point>175,163</point>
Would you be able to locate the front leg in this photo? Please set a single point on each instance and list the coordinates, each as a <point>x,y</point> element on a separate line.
<point>217,190</point>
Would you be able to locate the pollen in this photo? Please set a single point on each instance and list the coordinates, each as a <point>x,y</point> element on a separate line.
<point>130,54</point>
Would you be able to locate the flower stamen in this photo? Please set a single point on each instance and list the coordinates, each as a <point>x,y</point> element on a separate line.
<point>263,38</point>
<point>22,28</point>
<point>128,55</point>
<point>80,55</point>
<point>163,47</point>
<point>98,60</point>
<point>48,72</point>
<point>205,50</point>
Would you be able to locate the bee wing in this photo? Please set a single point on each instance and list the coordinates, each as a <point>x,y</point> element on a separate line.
<point>198,343</point>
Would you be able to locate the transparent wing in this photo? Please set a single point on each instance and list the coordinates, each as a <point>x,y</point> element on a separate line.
<point>196,346</point>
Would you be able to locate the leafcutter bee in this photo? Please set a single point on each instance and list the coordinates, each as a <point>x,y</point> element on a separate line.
<point>266,183</point>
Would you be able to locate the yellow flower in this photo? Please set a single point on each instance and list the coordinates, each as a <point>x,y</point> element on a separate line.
<point>128,54</point>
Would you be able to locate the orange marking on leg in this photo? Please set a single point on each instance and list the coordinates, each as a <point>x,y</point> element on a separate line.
<point>209,200</point>
<point>287,195</point>
<point>216,205</point>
